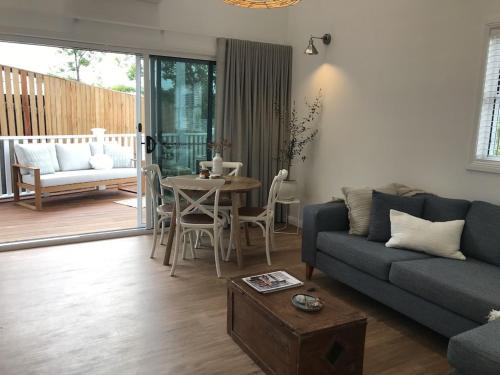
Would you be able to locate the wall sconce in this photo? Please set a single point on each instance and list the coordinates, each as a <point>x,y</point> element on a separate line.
<point>311,49</point>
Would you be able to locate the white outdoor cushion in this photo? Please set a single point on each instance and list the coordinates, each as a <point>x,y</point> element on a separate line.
<point>76,177</point>
<point>101,162</point>
<point>35,155</point>
<point>73,156</point>
<point>96,148</point>
<point>439,238</point>
<point>122,156</point>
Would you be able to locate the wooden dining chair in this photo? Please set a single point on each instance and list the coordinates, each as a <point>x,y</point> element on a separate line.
<point>162,210</point>
<point>195,217</point>
<point>262,216</point>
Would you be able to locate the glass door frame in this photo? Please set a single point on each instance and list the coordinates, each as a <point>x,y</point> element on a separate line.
<point>140,228</point>
<point>154,81</point>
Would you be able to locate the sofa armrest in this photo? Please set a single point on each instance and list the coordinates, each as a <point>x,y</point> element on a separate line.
<point>20,166</point>
<point>476,351</point>
<point>319,218</point>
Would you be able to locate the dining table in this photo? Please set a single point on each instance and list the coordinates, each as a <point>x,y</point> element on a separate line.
<point>234,187</point>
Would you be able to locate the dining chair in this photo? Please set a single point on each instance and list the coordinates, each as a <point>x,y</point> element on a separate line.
<point>263,217</point>
<point>233,166</point>
<point>162,212</point>
<point>225,205</point>
<point>195,217</point>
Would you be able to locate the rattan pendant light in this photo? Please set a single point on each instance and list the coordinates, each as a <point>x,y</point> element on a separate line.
<point>262,4</point>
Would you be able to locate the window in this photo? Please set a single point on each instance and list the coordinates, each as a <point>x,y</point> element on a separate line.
<point>487,150</point>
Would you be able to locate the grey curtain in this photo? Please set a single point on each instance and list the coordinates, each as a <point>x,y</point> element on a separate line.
<point>253,88</point>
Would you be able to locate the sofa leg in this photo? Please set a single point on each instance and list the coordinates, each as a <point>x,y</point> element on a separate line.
<point>309,271</point>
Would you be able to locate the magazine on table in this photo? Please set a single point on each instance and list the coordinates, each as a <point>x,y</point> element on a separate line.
<point>272,281</point>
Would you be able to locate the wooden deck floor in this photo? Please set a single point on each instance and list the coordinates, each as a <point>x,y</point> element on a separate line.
<point>104,307</point>
<point>68,214</point>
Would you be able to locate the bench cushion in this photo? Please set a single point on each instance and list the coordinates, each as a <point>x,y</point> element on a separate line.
<point>73,156</point>
<point>371,257</point>
<point>476,351</point>
<point>77,177</point>
<point>470,288</point>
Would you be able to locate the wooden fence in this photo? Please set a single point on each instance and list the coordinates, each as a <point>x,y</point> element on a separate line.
<point>38,104</point>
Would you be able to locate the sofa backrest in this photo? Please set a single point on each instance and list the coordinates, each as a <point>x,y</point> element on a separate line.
<point>481,235</point>
<point>444,209</point>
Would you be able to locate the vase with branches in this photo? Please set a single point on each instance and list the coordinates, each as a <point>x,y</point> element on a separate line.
<point>302,130</point>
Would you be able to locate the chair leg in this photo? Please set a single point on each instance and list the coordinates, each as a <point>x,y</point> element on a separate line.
<point>230,245</point>
<point>221,245</point>
<point>192,245</point>
<point>268,235</point>
<point>197,241</point>
<point>176,249</point>
<point>247,234</point>
<point>162,232</point>
<point>216,253</point>
<point>184,246</point>
<point>155,236</point>
<point>271,233</point>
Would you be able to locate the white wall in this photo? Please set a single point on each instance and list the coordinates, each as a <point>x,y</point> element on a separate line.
<point>176,27</point>
<point>401,82</point>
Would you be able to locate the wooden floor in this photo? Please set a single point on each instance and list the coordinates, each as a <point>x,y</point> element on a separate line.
<point>68,214</point>
<point>106,308</point>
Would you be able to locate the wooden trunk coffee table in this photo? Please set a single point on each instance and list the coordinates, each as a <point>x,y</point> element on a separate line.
<point>284,340</point>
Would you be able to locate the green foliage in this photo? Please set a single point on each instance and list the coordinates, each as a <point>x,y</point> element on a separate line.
<point>123,88</point>
<point>77,59</point>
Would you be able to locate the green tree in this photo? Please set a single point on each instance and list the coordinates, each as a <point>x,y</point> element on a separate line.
<point>77,60</point>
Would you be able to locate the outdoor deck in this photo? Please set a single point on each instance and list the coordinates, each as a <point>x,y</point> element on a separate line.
<point>68,214</point>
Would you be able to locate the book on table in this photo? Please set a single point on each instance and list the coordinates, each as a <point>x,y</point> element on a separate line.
<point>272,281</point>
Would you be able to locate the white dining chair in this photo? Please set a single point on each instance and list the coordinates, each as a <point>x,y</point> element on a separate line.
<point>263,217</point>
<point>162,212</point>
<point>195,217</point>
<point>233,167</point>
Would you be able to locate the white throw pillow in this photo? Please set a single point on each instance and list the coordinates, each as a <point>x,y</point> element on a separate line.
<point>122,156</point>
<point>73,156</point>
<point>439,238</point>
<point>101,162</point>
<point>96,148</point>
<point>39,155</point>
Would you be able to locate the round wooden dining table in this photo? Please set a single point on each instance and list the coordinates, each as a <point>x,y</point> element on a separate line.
<point>234,186</point>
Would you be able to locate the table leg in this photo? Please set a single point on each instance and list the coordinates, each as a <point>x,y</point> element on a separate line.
<point>235,227</point>
<point>170,239</point>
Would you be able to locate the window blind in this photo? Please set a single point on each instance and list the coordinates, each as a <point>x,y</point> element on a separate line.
<point>488,140</point>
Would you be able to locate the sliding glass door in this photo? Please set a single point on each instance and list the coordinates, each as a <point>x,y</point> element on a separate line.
<point>182,113</point>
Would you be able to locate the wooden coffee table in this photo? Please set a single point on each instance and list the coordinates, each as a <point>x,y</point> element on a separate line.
<point>284,340</point>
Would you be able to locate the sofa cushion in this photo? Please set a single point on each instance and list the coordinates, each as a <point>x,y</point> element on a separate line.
<point>73,156</point>
<point>76,177</point>
<point>476,351</point>
<point>35,154</point>
<point>444,209</point>
<point>359,203</point>
<point>371,257</point>
<point>380,223</point>
<point>481,237</point>
<point>122,156</point>
<point>441,239</point>
<point>470,288</point>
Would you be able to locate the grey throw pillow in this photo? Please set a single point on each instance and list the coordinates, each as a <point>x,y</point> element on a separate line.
<point>382,204</point>
<point>359,203</point>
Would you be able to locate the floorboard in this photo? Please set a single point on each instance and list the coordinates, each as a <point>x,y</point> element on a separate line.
<point>105,308</point>
<point>69,214</point>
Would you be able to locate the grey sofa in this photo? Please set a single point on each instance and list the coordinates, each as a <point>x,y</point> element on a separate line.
<point>452,297</point>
